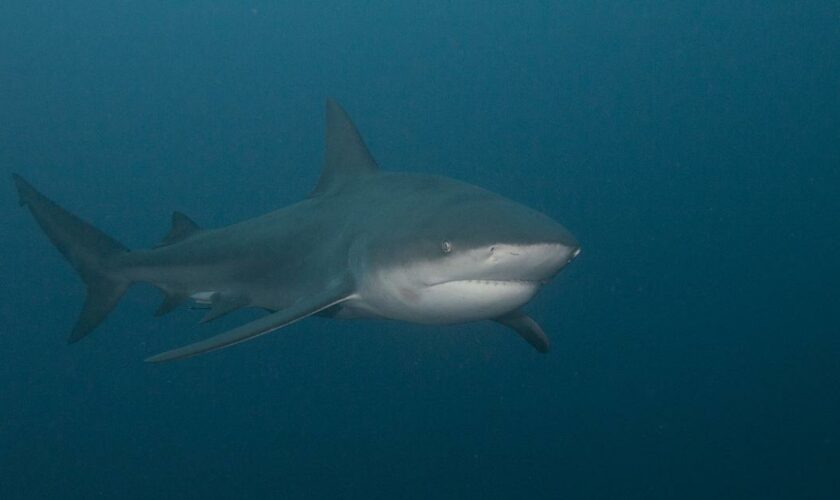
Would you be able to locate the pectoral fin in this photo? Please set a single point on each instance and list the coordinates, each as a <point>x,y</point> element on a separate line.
<point>527,328</point>
<point>301,309</point>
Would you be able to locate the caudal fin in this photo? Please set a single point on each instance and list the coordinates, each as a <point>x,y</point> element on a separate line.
<point>91,252</point>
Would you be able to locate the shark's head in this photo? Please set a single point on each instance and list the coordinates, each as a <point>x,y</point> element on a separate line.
<point>466,256</point>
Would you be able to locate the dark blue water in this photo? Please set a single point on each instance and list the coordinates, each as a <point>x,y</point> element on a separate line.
<point>694,150</point>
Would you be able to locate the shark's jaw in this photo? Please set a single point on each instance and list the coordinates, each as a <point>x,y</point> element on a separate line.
<point>470,300</point>
<point>498,264</point>
<point>479,284</point>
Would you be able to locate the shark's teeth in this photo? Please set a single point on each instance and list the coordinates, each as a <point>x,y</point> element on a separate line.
<point>497,282</point>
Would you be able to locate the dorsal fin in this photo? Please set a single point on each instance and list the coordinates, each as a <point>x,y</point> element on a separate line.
<point>346,155</point>
<point>182,228</point>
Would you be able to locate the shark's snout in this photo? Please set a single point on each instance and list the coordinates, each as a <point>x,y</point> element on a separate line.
<point>551,259</point>
<point>517,262</point>
<point>562,237</point>
<point>565,245</point>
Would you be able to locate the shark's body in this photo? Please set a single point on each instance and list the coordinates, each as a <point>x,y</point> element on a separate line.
<point>365,243</point>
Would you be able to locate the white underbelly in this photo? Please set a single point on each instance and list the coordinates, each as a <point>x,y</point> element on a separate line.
<point>453,302</point>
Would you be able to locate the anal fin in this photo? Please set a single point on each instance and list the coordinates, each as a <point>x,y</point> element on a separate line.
<point>171,301</point>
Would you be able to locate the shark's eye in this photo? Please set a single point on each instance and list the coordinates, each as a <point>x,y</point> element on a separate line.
<point>446,246</point>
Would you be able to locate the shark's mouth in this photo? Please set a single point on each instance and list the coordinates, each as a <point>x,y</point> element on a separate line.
<point>494,282</point>
<point>499,265</point>
<point>464,300</point>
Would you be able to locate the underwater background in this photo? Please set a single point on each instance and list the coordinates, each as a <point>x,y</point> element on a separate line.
<point>692,147</point>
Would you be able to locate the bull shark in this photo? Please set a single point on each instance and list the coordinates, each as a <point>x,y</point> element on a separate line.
<point>364,244</point>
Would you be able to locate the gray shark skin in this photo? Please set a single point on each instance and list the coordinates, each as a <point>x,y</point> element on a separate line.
<point>364,244</point>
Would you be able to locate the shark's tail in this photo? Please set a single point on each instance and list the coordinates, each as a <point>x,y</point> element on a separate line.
<point>94,254</point>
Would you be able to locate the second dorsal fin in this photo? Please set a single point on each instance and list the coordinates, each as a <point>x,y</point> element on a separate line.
<point>182,228</point>
<point>346,156</point>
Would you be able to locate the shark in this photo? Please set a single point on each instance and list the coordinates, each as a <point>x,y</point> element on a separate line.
<point>365,243</point>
